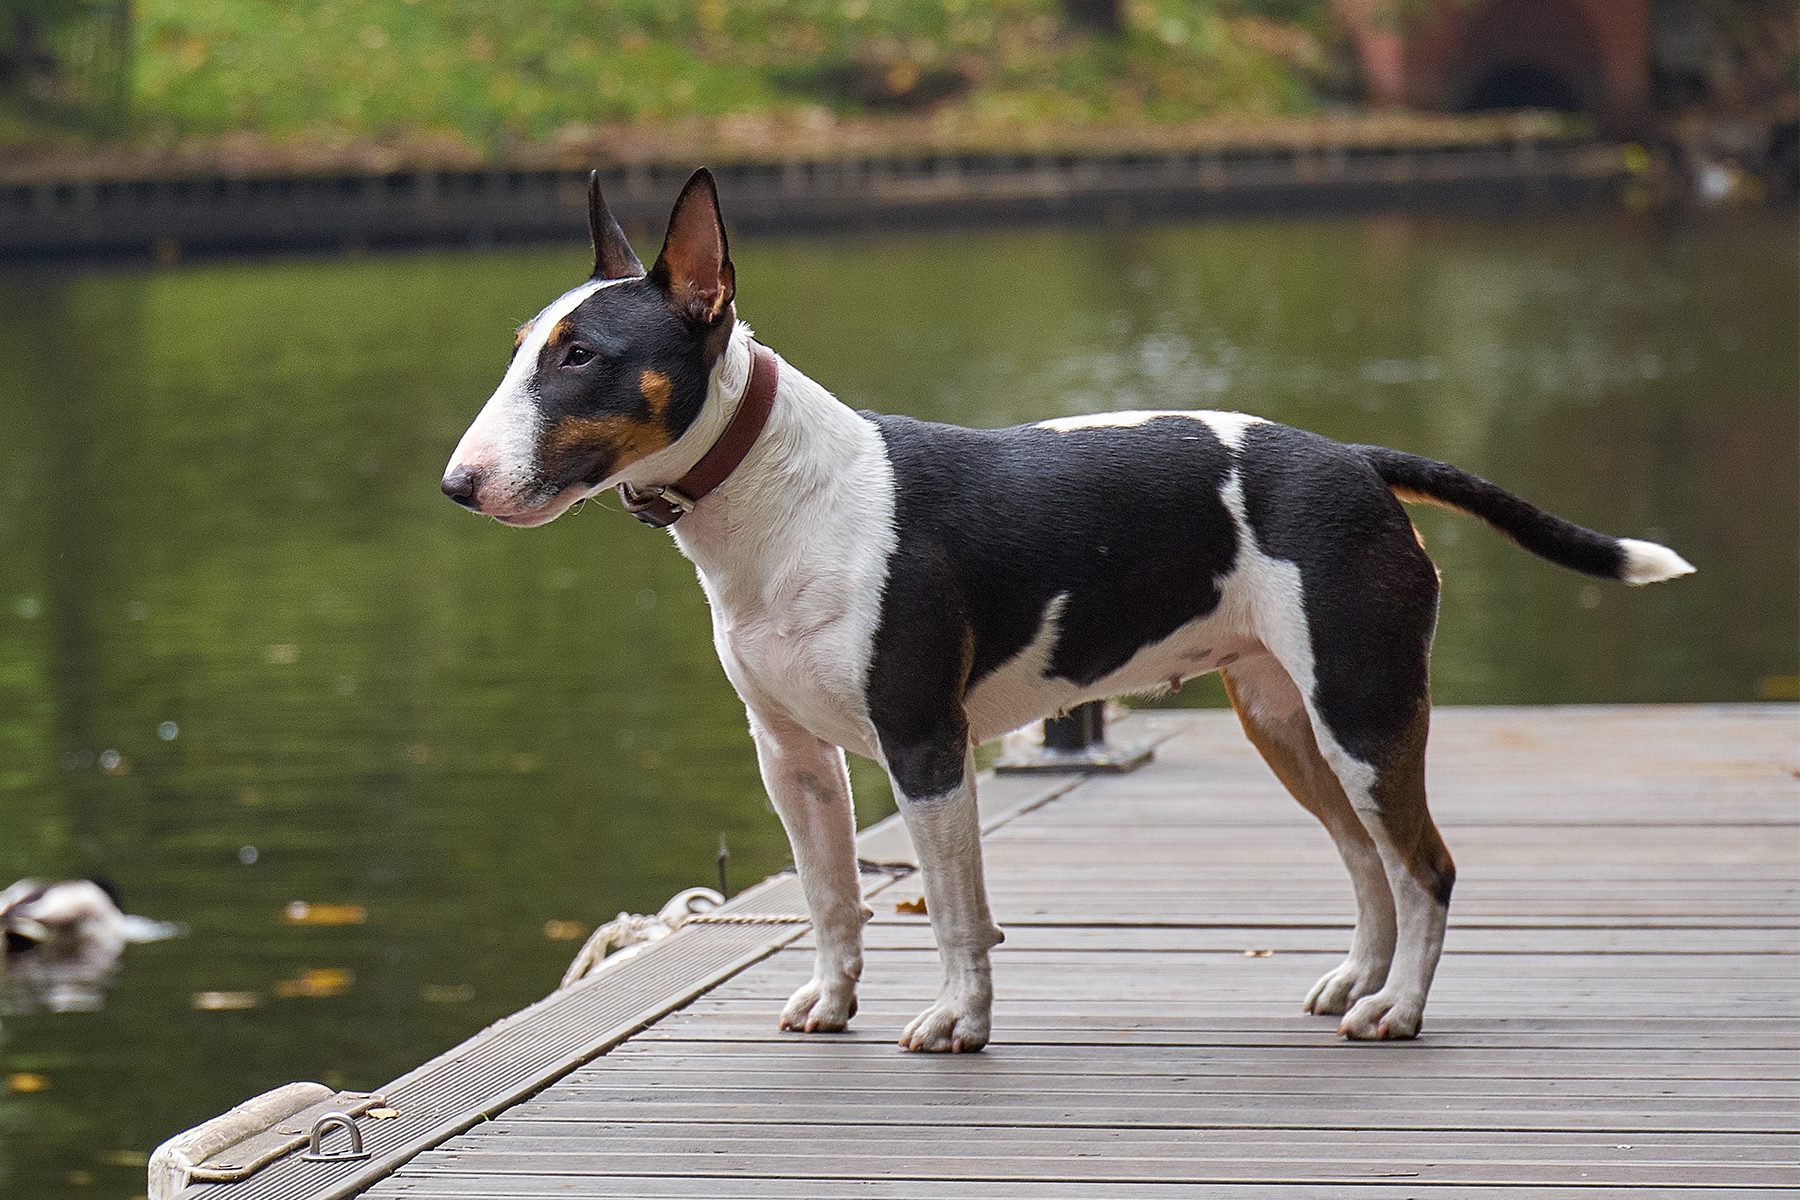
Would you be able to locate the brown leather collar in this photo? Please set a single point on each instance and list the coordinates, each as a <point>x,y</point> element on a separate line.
<point>663,506</point>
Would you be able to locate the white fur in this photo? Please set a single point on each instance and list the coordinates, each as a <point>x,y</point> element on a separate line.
<point>1021,688</point>
<point>810,787</point>
<point>502,441</point>
<point>792,551</point>
<point>1647,562</point>
<point>1228,427</point>
<point>946,835</point>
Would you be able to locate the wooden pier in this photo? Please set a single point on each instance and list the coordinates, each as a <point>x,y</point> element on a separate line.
<point>1617,1011</point>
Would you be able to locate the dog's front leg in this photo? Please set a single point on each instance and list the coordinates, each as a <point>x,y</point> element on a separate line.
<point>810,787</point>
<point>946,834</point>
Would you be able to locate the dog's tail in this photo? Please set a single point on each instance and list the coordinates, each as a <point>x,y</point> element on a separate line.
<point>1425,481</point>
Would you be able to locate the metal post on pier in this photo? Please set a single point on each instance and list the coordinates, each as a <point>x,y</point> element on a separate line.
<point>1075,742</point>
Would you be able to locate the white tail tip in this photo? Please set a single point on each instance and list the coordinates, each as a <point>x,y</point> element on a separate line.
<point>1647,562</point>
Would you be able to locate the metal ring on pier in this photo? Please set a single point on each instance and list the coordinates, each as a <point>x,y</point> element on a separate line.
<point>327,1122</point>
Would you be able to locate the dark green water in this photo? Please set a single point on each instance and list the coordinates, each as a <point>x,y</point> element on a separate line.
<point>221,510</point>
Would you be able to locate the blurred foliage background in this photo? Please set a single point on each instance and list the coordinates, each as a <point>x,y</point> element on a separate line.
<point>487,74</point>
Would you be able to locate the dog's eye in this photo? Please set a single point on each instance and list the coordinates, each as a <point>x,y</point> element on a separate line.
<point>576,356</point>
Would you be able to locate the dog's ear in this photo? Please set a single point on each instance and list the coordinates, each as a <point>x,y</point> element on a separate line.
<point>613,256</point>
<point>694,267</point>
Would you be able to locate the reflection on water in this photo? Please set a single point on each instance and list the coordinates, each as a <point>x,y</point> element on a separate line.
<point>250,657</point>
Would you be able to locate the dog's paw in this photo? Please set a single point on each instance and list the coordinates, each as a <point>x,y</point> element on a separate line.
<point>820,1008</point>
<point>1338,988</point>
<point>954,1025</point>
<point>1385,1016</point>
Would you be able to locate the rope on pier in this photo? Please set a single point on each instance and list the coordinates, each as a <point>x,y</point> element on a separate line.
<point>627,933</point>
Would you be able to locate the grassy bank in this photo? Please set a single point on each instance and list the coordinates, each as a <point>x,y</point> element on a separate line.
<point>485,78</point>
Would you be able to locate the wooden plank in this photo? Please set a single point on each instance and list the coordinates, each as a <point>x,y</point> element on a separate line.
<point>1732,1056</point>
<point>955,1108</point>
<point>1151,1033</point>
<point>882,936</point>
<point>932,1163</point>
<point>468,1183</point>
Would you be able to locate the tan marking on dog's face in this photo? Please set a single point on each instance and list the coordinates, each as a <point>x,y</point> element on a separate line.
<point>656,390</point>
<point>574,445</point>
<point>521,333</point>
<point>559,333</point>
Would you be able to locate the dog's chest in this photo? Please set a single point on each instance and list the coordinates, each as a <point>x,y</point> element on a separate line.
<point>806,659</point>
<point>796,598</point>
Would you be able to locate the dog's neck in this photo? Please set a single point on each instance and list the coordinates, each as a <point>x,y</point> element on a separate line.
<point>725,388</point>
<point>753,530</point>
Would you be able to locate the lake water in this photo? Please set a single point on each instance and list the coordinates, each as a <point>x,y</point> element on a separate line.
<point>249,656</point>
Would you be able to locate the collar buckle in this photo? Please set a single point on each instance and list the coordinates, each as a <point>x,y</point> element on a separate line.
<point>658,507</point>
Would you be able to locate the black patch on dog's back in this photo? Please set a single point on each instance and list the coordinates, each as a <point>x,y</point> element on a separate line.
<point>992,524</point>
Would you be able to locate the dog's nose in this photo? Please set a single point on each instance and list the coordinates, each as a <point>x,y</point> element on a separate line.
<point>461,485</point>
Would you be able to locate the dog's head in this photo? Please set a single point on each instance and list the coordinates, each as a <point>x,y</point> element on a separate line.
<point>608,374</point>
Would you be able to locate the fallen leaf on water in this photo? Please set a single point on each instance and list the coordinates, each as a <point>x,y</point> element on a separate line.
<point>1258,953</point>
<point>1778,687</point>
<point>301,912</point>
<point>915,907</point>
<point>382,1113</point>
<point>224,1001</point>
<point>563,931</point>
<point>316,983</point>
<point>24,1082</point>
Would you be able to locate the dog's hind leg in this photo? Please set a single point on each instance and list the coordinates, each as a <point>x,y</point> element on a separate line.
<point>810,787</point>
<point>1371,710</point>
<point>1354,632</point>
<point>1389,796</point>
<point>1274,716</point>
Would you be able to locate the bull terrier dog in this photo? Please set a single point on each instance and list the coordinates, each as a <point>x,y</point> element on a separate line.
<point>905,590</point>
